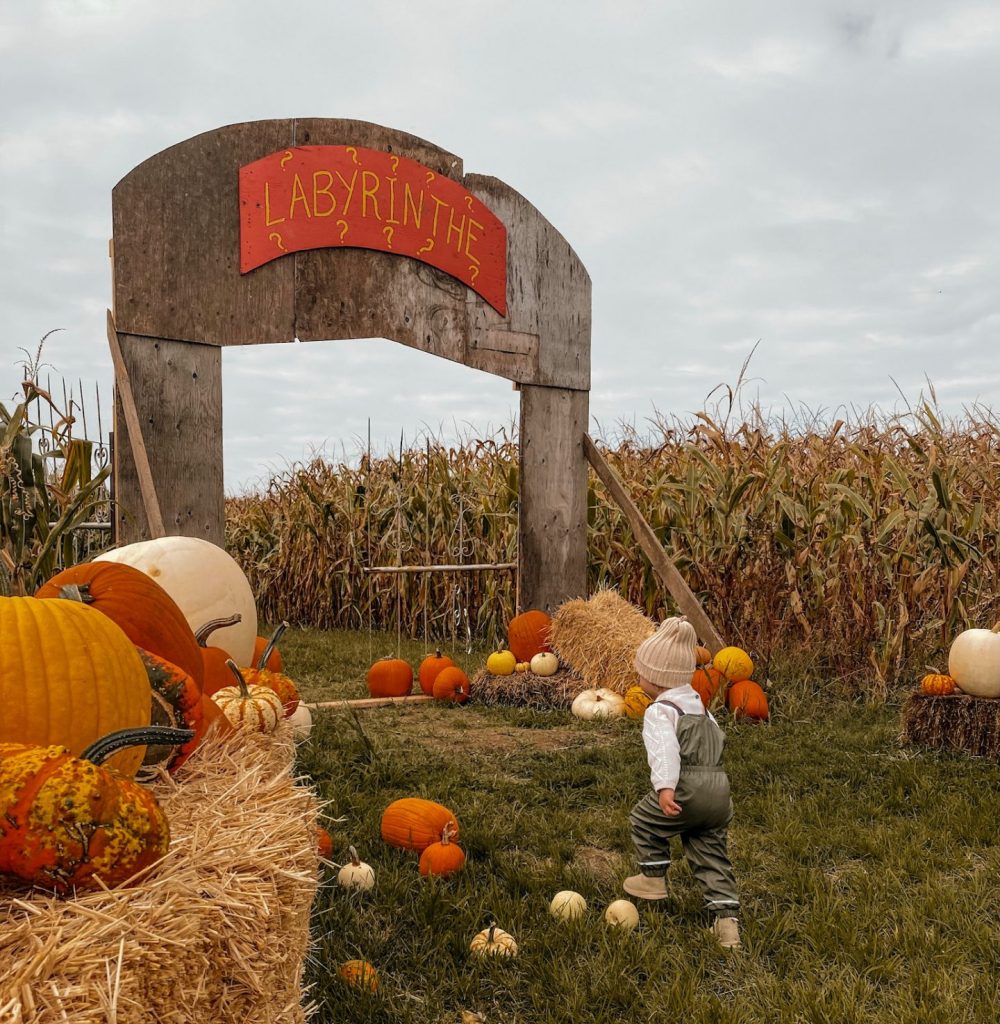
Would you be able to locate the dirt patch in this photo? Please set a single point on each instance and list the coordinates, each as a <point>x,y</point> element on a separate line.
<point>475,735</point>
<point>598,862</point>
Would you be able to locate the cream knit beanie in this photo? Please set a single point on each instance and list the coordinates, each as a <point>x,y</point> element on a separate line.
<point>667,658</point>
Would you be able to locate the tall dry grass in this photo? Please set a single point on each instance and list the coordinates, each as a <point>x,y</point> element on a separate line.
<point>854,549</point>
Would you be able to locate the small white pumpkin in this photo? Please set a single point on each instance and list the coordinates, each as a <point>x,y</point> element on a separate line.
<point>301,721</point>
<point>567,905</point>
<point>493,941</point>
<point>622,914</point>
<point>357,874</point>
<point>253,708</point>
<point>974,661</point>
<point>602,703</point>
<point>206,582</point>
<point>544,664</point>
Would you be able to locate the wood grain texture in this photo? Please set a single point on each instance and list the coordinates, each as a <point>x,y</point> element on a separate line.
<point>177,387</point>
<point>552,511</point>
<point>663,566</point>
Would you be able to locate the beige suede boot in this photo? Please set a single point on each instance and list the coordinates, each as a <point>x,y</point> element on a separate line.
<point>727,932</point>
<point>646,887</point>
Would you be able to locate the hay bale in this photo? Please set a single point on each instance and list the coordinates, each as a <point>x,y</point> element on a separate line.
<point>598,638</point>
<point>525,689</point>
<point>958,722</point>
<point>216,931</point>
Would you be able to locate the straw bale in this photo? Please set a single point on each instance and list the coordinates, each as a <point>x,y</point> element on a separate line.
<point>958,722</point>
<point>525,689</point>
<point>598,638</point>
<point>216,932</point>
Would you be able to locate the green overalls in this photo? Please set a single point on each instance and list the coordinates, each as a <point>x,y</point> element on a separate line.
<point>706,810</point>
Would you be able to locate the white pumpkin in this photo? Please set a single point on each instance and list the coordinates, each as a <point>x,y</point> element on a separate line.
<point>974,661</point>
<point>357,874</point>
<point>493,941</point>
<point>602,703</point>
<point>544,664</point>
<point>205,581</point>
<point>301,721</point>
<point>567,905</point>
<point>622,914</point>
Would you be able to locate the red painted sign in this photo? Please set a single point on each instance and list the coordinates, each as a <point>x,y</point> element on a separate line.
<point>316,197</point>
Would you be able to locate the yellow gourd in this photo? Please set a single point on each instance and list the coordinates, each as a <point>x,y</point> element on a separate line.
<point>636,702</point>
<point>501,663</point>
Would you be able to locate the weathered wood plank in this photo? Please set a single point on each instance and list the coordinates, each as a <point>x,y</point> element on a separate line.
<point>663,566</point>
<point>137,445</point>
<point>176,252</point>
<point>372,702</point>
<point>177,388</point>
<point>552,511</point>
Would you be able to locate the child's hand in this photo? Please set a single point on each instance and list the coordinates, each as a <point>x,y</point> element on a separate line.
<point>667,804</point>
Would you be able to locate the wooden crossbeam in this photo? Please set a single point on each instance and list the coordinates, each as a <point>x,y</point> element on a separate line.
<point>372,702</point>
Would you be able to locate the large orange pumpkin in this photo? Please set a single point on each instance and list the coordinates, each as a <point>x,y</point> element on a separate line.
<point>146,613</point>
<point>429,668</point>
<point>413,824</point>
<point>746,699</point>
<point>390,677</point>
<point>68,676</point>
<point>528,634</point>
<point>451,684</point>
<point>706,681</point>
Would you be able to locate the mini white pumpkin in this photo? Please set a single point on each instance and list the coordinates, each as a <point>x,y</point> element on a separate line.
<point>544,664</point>
<point>974,661</point>
<point>357,874</point>
<point>206,582</point>
<point>602,703</point>
<point>253,708</point>
<point>493,941</point>
<point>567,905</point>
<point>301,721</point>
<point>622,914</point>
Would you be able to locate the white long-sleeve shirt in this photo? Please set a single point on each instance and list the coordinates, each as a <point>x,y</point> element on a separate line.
<point>659,733</point>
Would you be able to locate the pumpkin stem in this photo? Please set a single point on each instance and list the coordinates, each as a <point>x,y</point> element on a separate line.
<point>213,624</point>
<point>77,592</point>
<point>447,832</point>
<point>271,644</point>
<point>240,681</point>
<point>100,750</point>
<point>996,628</point>
<point>355,859</point>
<point>493,928</point>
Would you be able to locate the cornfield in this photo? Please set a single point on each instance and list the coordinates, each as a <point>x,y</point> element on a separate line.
<point>853,550</point>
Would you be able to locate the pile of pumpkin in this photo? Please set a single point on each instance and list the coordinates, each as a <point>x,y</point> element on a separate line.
<point>973,666</point>
<point>439,677</point>
<point>722,680</point>
<point>104,651</point>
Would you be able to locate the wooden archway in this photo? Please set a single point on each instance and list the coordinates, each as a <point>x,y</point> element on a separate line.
<point>179,297</point>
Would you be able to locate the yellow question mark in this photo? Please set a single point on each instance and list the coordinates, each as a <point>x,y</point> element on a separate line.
<point>286,158</point>
<point>394,160</point>
<point>473,272</point>
<point>430,176</point>
<point>388,236</point>
<point>426,247</point>
<point>275,237</point>
<point>353,152</point>
<point>343,230</point>
<point>468,202</point>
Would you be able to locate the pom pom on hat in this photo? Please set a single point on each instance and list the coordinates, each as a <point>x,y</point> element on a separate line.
<point>667,658</point>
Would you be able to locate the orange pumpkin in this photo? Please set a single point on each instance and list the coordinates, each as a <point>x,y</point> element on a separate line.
<point>359,974</point>
<point>213,659</point>
<point>746,699</point>
<point>390,677</point>
<point>140,607</point>
<point>324,843</point>
<point>528,634</point>
<point>266,653</point>
<point>702,655</point>
<point>706,681</point>
<point>938,685</point>
<point>429,668</point>
<point>284,687</point>
<point>451,684</point>
<point>413,824</point>
<point>443,858</point>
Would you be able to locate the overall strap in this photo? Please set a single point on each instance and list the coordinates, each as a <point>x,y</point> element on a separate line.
<point>671,704</point>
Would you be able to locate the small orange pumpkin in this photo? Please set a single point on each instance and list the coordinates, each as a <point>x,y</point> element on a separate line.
<point>746,699</point>
<point>266,653</point>
<point>359,974</point>
<point>413,824</point>
<point>390,677</point>
<point>452,684</point>
<point>443,858</point>
<point>528,634</point>
<point>324,843</point>
<point>702,655</point>
<point>285,688</point>
<point>213,659</point>
<point>429,668</point>
<point>936,684</point>
<point>706,681</point>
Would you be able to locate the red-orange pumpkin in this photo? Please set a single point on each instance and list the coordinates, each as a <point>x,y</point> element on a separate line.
<point>528,634</point>
<point>451,684</point>
<point>390,677</point>
<point>746,699</point>
<point>937,684</point>
<point>429,668</point>
<point>442,858</point>
<point>702,655</point>
<point>213,659</point>
<point>706,682</point>
<point>284,687</point>
<point>140,607</point>
<point>413,824</point>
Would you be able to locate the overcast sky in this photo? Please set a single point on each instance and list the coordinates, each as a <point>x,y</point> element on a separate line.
<point>823,177</point>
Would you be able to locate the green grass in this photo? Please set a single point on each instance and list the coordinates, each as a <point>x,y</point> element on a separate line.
<point>869,873</point>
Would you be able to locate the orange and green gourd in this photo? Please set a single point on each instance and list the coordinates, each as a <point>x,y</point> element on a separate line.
<point>69,823</point>
<point>176,704</point>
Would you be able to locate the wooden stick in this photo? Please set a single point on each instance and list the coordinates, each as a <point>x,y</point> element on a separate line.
<point>664,568</point>
<point>146,486</point>
<point>372,702</point>
<point>465,567</point>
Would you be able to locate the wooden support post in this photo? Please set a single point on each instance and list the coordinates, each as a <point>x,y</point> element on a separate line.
<point>372,702</point>
<point>664,568</point>
<point>140,456</point>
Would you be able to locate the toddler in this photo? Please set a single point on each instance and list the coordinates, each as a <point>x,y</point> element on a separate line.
<point>690,794</point>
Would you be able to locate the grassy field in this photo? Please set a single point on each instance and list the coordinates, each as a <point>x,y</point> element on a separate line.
<point>869,873</point>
